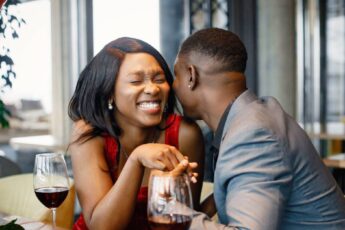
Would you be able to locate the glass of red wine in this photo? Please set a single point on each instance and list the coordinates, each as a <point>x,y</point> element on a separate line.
<point>170,202</point>
<point>51,182</point>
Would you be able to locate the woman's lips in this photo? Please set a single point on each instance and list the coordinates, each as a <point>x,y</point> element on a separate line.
<point>150,106</point>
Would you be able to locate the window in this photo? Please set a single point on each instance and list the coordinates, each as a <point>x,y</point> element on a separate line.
<point>30,98</point>
<point>130,18</point>
<point>321,72</point>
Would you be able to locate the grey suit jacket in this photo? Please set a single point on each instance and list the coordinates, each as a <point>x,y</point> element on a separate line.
<point>269,175</point>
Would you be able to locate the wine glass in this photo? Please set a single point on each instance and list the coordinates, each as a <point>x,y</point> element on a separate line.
<point>170,203</point>
<point>51,182</point>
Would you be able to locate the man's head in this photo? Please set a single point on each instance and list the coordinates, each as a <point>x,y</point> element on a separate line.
<point>221,45</point>
<point>209,58</point>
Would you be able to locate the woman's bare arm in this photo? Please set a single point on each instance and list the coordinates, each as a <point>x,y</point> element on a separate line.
<point>191,144</point>
<point>108,206</point>
<point>104,205</point>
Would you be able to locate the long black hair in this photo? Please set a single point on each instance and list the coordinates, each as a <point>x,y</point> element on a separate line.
<point>96,82</point>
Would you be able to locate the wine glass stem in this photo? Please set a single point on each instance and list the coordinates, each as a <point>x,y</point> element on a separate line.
<point>54,217</point>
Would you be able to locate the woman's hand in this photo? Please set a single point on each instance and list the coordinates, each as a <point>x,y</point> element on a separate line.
<point>163,157</point>
<point>186,167</point>
<point>157,156</point>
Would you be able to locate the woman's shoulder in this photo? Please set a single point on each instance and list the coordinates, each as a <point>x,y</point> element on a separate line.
<point>189,129</point>
<point>191,141</point>
<point>80,128</point>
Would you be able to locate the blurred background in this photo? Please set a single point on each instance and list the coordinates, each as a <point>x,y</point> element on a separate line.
<point>296,53</point>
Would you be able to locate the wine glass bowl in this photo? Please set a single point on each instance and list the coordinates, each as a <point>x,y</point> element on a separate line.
<point>170,202</point>
<point>51,182</point>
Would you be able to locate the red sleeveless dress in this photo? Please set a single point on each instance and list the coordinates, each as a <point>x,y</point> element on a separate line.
<point>139,219</point>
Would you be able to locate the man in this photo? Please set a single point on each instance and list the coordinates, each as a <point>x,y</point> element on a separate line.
<point>268,175</point>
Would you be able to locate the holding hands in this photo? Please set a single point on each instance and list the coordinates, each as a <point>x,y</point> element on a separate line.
<point>165,158</point>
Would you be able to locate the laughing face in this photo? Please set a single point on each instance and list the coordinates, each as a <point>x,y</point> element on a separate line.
<point>141,91</point>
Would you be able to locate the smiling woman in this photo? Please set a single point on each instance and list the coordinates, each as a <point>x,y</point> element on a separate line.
<point>125,127</point>
<point>141,90</point>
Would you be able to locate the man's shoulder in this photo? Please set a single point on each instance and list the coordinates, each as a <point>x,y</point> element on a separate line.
<point>258,113</point>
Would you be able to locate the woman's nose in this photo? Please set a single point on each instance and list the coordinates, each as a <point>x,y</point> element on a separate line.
<point>151,88</point>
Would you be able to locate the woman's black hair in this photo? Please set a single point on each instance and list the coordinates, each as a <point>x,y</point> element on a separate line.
<point>96,82</point>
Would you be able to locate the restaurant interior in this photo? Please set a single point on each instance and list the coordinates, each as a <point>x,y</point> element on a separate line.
<point>296,53</point>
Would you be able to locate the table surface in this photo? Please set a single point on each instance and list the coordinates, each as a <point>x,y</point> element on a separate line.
<point>42,141</point>
<point>335,161</point>
<point>27,223</point>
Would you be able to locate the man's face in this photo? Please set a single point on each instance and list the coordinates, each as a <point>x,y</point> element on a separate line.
<point>185,95</point>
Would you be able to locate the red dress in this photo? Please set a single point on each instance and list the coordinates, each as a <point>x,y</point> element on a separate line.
<point>139,219</point>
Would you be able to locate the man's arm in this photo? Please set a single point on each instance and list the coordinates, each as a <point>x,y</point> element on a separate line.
<point>202,221</point>
<point>253,180</point>
<point>252,183</point>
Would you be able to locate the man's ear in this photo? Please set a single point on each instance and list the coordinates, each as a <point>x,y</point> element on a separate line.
<point>193,76</point>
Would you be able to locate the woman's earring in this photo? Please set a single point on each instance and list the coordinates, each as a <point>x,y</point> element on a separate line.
<point>190,86</point>
<point>110,106</point>
<point>165,109</point>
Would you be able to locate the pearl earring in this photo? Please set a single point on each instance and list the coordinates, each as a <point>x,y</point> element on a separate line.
<point>189,86</point>
<point>110,106</point>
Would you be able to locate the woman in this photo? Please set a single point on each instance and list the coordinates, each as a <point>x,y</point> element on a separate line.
<point>124,127</point>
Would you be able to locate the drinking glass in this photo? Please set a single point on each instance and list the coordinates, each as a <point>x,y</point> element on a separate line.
<point>170,202</point>
<point>51,182</point>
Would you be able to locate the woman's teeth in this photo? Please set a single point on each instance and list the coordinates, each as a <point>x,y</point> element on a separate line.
<point>149,105</point>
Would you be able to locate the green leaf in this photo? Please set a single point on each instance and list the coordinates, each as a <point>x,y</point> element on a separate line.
<point>4,115</point>
<point>11,226</point>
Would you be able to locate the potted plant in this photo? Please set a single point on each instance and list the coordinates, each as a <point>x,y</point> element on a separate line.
<point>9,24</point>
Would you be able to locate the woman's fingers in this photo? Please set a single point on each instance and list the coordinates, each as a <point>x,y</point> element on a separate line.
<point>171,155</point>
<point>177,153</point>
<point>163,157</point>
<point>159,165</point>
<point>193,165</point>
<point>167,165</point>
<point>180,168</point>
<point>183,167</point>
<point>193,177</point>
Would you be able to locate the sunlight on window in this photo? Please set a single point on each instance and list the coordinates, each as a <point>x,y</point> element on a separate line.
<point>31,54</point>
<point>130,18</point>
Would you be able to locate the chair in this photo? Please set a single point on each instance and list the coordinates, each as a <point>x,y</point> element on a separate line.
<point>8,167</point>
<point>17,197</point>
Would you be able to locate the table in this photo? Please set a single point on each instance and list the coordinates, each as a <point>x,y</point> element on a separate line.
<point>46,142</point>
<point>337,164</point>
<point>335,161</point>
<point>26,223</point>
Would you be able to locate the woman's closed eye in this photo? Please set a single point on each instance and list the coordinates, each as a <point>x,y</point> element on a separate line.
<point>136,82</point>
<point>136,79</point>
<point>159,79</point>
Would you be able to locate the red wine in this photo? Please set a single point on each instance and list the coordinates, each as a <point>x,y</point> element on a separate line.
<point>51,197</point>
<point>174,222</point>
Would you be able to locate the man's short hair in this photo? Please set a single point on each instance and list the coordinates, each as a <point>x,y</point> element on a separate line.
<point>221,45</point>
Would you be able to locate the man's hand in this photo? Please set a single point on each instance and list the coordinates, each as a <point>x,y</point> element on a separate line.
<point>186,167</point>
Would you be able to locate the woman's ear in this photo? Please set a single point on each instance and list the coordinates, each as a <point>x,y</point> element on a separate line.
<point>193,76</point>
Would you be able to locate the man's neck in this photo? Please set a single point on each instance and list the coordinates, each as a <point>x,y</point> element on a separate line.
<point>216,106</point>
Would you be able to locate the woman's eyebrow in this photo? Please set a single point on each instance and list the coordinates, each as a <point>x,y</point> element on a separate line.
<point>148,72</point>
